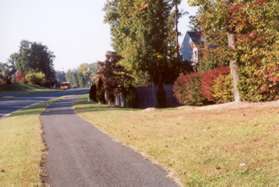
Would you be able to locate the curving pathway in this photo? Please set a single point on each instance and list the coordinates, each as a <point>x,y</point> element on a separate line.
<point>80,155</point>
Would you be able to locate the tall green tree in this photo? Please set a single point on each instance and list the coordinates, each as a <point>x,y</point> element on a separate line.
<point>34,57</point>
<point>41,60</point>
<point>4,74</point>
<point>141,35</point>
<point>23,57</point>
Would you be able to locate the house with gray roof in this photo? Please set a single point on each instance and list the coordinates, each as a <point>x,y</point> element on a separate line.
<point>190,48</point>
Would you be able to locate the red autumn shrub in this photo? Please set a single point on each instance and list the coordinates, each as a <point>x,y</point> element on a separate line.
<point>207,81</point>
<point>20,77</point>
<point>197,88</point>
<point>187,89</point>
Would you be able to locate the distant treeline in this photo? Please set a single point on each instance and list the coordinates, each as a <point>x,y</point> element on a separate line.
<point>80,77</point>
<point>33,64</point>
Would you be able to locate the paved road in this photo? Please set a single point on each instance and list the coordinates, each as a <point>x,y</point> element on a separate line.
<point>80,155</point>
<point>10,102</point>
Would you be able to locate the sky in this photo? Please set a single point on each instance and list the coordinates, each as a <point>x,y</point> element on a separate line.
<point>73,29</point>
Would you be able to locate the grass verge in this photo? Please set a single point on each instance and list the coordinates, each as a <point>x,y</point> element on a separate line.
<point>22,87</point>
<point>226,147</point>
<point>21,148</point>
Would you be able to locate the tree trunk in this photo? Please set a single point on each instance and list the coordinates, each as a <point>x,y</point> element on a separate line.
<point>234,69</point>
<point>176,29</point>
<point>161,94</point>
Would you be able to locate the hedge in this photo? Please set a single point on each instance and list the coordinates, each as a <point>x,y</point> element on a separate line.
<point>197,88</point>
<point>187,89</point>
<point>222,89</point>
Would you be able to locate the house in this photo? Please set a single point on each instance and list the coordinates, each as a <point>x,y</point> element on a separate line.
<point>191,47</point>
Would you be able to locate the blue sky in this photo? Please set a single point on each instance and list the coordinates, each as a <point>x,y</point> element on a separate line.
<point>73,29</point>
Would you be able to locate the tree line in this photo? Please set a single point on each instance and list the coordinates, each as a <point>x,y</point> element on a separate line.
<point>34,64</point>
<point>244,35</point>
<point>144,33</point>
<point>82,76</point>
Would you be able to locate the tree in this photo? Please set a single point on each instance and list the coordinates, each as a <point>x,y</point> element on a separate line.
<point>177,15</point>
<point>112,79</point>
<point>82,76</point>
<point>72,78</point>
<point>87,71</point>
<point>12,63</point>
<point>141,35</point>
<point>4,73</point>
<point>22,60</point>
<point>35,57</point>
<point>250,28</point>
<point>219,11</point>
<point>41,59</point>
<point>8,70</point>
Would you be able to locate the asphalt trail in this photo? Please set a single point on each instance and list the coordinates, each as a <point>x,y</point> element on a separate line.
<point>80,155</point>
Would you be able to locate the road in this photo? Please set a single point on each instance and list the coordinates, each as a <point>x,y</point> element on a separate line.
<point>80,155</point>
<point>10,102</point>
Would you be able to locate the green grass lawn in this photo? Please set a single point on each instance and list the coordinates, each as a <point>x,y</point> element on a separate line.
<point>225,147</point>
<point>21,148</point>
<point>22,87</point>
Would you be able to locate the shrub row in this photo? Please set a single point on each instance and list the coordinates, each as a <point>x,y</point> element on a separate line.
<point>208,79</point>
<point>213,86</point>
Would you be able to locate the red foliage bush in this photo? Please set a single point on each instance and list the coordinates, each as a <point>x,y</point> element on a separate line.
<point>187,89</point>
<point>197,88</point>
<point>207,81</point>
<point>20,77</point>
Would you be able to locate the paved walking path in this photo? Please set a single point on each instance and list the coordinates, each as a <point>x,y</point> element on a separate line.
<point>80,155</point>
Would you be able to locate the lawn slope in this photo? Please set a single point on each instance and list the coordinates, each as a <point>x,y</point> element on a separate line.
<point>211,147</point>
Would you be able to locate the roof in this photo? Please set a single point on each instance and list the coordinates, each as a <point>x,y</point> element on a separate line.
<point>195,36</point>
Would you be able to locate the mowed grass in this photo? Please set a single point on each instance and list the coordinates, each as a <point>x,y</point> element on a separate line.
<point>21,148</point>
<point>226,147</point>
<point>22,87</point>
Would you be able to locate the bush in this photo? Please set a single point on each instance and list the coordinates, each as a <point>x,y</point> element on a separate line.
<point>197,88</point>
<point>259,83</point>
<point>207,81</point>
<point>222,89</point>
<point>37,78</point>
<point>187,89</point>
<point>20,77</point>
